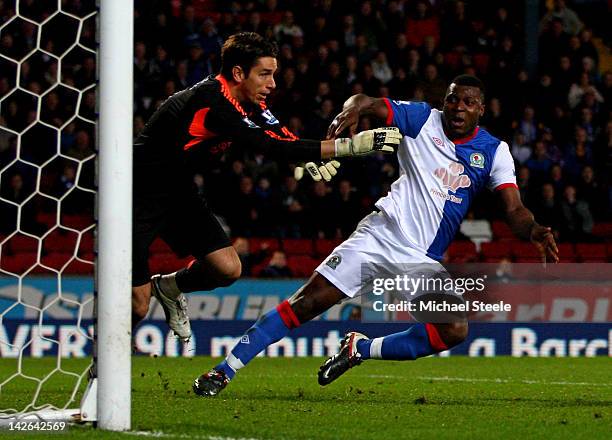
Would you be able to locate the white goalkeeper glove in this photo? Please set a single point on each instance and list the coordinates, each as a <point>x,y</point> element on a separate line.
<point>325,171</point>
<point>384,139</point>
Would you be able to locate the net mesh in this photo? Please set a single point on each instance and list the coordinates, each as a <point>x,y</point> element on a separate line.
<point>47,199</point>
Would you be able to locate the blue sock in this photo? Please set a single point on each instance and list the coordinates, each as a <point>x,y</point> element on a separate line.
<point>270,328</point>
<point>407,345</point>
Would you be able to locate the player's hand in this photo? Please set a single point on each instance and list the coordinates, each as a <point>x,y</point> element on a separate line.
<point>347,118</point>
<point>384,139</point>
<point>543,239</point>
<point>325,170</point>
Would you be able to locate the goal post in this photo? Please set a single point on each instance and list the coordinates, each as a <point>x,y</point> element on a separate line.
<point>66,87</point>
<point>114,275</point>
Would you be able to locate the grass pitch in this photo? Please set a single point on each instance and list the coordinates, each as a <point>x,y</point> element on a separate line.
<point>441,398</point>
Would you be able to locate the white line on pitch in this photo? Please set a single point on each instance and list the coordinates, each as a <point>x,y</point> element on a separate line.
<point>160,434</point>
<point>499,380</point>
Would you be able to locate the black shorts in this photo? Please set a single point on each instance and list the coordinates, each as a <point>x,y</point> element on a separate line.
<point>186,224</point>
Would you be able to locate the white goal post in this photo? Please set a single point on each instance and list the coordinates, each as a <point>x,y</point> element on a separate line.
<point>114,311</point>
<point>36,144</point>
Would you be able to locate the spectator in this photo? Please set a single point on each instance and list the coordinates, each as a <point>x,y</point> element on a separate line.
<point>566,17</point>
<point>548,211</point>
<point>527,125</point>
<point>293,209</point>
<point>577,219</point>
<point>433,85</point>
<point>346,208</point>
<point>579,89</point>
<point>381,69</point>
<point>591,192</point>
<point>247,259</point>
<point>243,216</point>
<point>525,188</point>
<point>521,151</point>
<point>420,24</point>
<point>277,267</point>
<point>553,42</point>
<point>540,163</point>
<point>579,154</point>
<point>287,29</point>
<point>556,178</point>
<point>320,201</point>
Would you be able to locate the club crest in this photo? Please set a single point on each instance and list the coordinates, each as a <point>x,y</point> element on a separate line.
<point>477,160</point>
<point>334,261</point>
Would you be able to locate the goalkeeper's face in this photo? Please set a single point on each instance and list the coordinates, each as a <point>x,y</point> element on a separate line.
<point>259,83</point>
<point>462,110</point>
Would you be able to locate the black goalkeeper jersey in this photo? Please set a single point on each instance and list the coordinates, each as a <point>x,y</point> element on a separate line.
<point>194,128</point>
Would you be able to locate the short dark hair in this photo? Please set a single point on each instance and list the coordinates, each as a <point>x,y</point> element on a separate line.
<point>243,49</point>
<point>470,81</point>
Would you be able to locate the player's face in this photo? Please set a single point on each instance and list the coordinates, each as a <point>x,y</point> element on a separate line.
<point>462,109</point>
<point>260,82</point>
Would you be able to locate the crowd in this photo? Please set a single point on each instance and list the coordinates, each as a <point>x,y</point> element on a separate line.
<point>556,117</point>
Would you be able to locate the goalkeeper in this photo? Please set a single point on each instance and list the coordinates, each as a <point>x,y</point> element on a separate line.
<point>196,127</point>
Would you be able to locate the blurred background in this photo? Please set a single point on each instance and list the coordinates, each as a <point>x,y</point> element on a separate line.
<point>549,99</point>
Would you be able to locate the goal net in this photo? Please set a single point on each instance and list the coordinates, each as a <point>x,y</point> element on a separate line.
<point>48,208</point>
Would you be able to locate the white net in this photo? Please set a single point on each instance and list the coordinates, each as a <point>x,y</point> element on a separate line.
<point>47,193</point>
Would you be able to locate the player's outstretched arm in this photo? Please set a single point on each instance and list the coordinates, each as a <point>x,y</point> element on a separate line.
<point>523,225</point>
<point>355,106</point>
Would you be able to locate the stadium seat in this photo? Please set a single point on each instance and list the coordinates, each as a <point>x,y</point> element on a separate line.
<point>255,244</point>
<point>452,60</point>
<point>165,262</point>
<point>47,219</point>
<point>462,252</point>
<point>159,246</point>
<point>302,265</point>
<point>566,253</point>
<point>56,260</point>
<point>22,243</point>
<point>60,240</point>
<point>592,252</point>
<point>78,222</point>
<point>481,62</point>
<point>86,245</point>
<point>324,247</point>
<point>525,252</point>
<point>501,231</point>
<point>603,230</point>
<point>76,267</point>
<point>298,246</point>
<point>479,231</point>
<point>494,251</point>
<point>18,263</point>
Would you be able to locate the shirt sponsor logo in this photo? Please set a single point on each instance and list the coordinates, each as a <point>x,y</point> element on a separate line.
<point>452,180</point>
<point>270,118</point>
<point>439,142</point>
<point>250,123</point>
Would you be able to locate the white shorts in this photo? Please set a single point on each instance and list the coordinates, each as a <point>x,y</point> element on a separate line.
<point>376,241</point>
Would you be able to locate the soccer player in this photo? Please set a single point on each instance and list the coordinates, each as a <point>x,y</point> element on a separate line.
<point>445,159</point>
<point>196,127</point>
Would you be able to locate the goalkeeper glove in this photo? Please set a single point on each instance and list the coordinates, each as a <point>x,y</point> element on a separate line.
<point>324,171</point>
<point>384,139</point>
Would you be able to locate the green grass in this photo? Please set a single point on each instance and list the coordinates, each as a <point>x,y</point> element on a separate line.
<point>441,398</point>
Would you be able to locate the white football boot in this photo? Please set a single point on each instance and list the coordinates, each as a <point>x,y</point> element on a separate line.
<point>175,310</point>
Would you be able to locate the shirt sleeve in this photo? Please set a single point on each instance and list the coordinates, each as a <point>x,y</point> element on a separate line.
<point>280,144</point>
<point>502,173</point>
<point>408,116</point>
